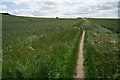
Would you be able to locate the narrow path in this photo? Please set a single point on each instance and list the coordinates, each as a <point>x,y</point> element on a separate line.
<point>80,71</point>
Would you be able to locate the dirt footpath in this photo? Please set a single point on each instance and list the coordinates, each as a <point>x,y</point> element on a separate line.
<point>80,71</point>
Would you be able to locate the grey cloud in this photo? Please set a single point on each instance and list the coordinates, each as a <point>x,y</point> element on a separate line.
<point>70,8</point>
<point>67,14</point>
<point>86,10</point>
<point>47,8</point>
<point>45,5</point>
<point>119,5</point>
<point>75,13</point>
<point>107,6</point>
<point>81,13</point>
<point>37,13</point>
<point>49,3</point>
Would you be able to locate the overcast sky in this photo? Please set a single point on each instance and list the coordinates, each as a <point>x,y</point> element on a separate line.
<point>61,8</point>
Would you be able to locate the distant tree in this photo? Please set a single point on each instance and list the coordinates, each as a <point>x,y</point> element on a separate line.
<point>79,18</point>
<point>56,17</point>
<point>5,13</point>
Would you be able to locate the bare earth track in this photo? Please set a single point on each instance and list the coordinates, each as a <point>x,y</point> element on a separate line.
<point>80,69</point>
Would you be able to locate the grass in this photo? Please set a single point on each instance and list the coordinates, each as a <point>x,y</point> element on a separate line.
<point>0,46</point>
<point>40,47</point>
<point>111,24</point>
<point>100,52</point>
<point>48,47</point>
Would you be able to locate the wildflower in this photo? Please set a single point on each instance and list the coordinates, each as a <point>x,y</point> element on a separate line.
<point>116,48</point>
<point>41,36</point>
<point>108,38</point>
<point>95,34</point>
<point>108,34</point>
<point>31,48</point>
<point>110,42</point>
<point>114,41</point>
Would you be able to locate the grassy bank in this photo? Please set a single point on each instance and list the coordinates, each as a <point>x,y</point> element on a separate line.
<point>100,52</point>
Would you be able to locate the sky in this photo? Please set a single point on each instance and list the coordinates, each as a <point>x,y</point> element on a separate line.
<point>61,8</point>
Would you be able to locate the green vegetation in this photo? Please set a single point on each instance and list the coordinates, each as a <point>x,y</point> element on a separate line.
<point>0,46</point>
<point>40,47</point>
<point>48,48</point>
<point>111,24</point>
<point>100,51</point>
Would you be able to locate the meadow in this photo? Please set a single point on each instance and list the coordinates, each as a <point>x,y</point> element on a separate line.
<point>40,47</point>
<point>48,47</point>
<point>111,24</point>
<point>101,49</point>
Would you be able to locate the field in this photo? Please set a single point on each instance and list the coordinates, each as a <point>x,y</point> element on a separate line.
<point>40,47</point>
<point>111,24</point>
<point>101,49</point>
<point>48,47</point>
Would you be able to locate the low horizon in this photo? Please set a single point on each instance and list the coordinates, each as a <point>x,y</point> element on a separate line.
<point>64,17</point>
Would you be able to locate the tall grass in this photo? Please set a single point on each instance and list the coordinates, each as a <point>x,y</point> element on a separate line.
<point>111,24</point>
<point>40,47</point>
<point>100,52</point>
